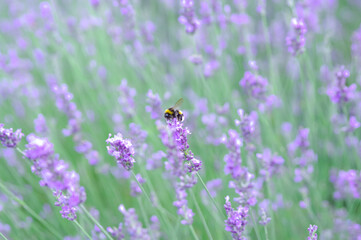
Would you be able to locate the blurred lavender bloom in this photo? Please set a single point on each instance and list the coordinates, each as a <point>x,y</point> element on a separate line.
<point>340,93</point>
<point>117,233</point>
<point>296,41</point>
<point>188,18</point>
<point>210,67</point>
<point>154,107</point>
<point>5,229</point>
<point>102,73</point>
<point>356,44</point>
<point>40,124</point>
<point>312,232</point>
<point>138,136</point>
<point>196,59</point>
<point>263,207</point>
<point>9,138</point>
<point>182,203</point>
<point>64,104</point>
<point>122,149</point>
<point>346,183</point>
<point>155,161</point>
<point>248,125</point>
<point>254,85</point>
<point>271,164</point>
<point>213,186</point>
<point>97,234</point>
<point>54,174</point>
<point>233,158</point>
<point>236,220</point>
<point>132,225</point>
<point>135,190</point>
<point>155,227</point>
<point>242,179</point>
<point>147,30</point>
<point>45,213</point>
<point>94,3</point>
<point>126,99</point>
<point>9,155</point>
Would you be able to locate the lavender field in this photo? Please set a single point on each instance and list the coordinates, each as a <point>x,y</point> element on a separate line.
<point>266,145</point>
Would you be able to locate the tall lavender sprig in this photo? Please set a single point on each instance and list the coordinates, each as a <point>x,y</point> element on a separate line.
<point>55,175</point>
<point>188,18</point>
<point>347,184</point>
<point>122,149</point>
<point>64,104</point>
<point>312,232</point>
<point>339,93</point>
<point>296,41</point>
<point>181,164</point>
<point>236,220</point>
<point>304,158</point>
<point>154,105</point>
<point>8,137</point>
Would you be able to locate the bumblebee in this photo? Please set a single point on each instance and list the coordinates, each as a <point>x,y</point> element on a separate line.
<point>174,112</point>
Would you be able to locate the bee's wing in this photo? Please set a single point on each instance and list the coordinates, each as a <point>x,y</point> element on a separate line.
<point>178,103</point>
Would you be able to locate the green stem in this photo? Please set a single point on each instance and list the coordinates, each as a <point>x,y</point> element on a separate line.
<point>193,232</point>
<point>255,225</point>
<point>29,210</point>
<point>201,215</point>
<point>82,229</point>
<point>145,217</point>
<point>96,222</point>
<point>210,196</point>
<point>3,236</point>
<point>266,232</point>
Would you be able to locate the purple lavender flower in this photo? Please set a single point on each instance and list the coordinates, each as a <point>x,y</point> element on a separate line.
<point>132,224</point>
<point>248,125</point>
<point>154,107</point>
<point>155,161</point>
<point>54,174</point>
<point>243,180</point>
<point>254,85</point>
<point>264,206</point>
<point>8,137</point>
<point>181,161</point>
<point>188,18</point>
<point>236,220</point>
<point>271,164</point>
<point>117,233</point>
<point>5,229</point>
<point>95,3</point>
<point>64,104</point>
<point>312,232</point>
<point>138,136</point>
<point>296,41</point>
<point>135,190</point>
<point>347,184</point>
<point>233,158</point>
<point>356,44</point>
<point>126,99</point>
<point>340,93</point>
<point>122,149</point>
<point>40,124</point>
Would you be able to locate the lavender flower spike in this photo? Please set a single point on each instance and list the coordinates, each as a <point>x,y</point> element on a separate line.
<point>8,138</point>
<point>236,221</point>
<point>312,231</point>
<point>188,18</point>
<point>54,174</point>
<point>122,149</point>
<point>296,42</point>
